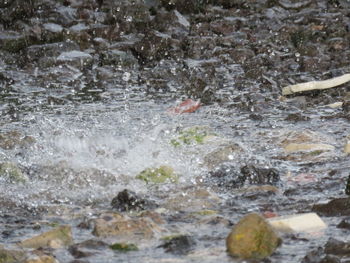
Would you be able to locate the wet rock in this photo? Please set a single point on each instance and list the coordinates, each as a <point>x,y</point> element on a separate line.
<point>87,248</point>
<point>11,256</point>
<point>337,247</point>
<point>127,200</point>
<point>178,245</point>
<point>335,207</point>
<point>75,58</point>
<point>223,154</point>
<point>45,55</point>
<point>306,146</point>
<point>193,135</point>
<point>173,23</point>
<point>185,7</point>
<point>318,256</point>
<point>41,258</point>
<point>57,237</point>
<point>257,175</point>
<point>116,57</point>
<point>296,117</point>
<point>191,200</point>
<point>12,41</point>
<point>10,172</point>
<point>125,228</point>
<point>252,238</point>
<point>226,176</point>
<point>153,46</point>
<point>162,174</point>
<point>79,33</point>
<point>345,224</point>
<point>123,247</point>
<point>8,140</point>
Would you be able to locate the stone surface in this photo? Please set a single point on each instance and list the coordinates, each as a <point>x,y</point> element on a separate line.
<point>75,58</point>
<point>60,235</point>
<point>178,245</point>
<point>127,200</point>
<point>87,248</point>
<point>252,238</point>
<point>11,256</point>
<point>162,174</point>
<point>335,207</point>
<point>124,228</point>
<point>11,173</point>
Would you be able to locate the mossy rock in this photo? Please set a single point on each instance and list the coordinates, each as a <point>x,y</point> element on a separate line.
<point>61,235</point>
<point>11,173</point>
<point>123,247</point>
<point>193,135</point>
<point>159,175</point>
<point>11,256</point>
<point>252,238</point>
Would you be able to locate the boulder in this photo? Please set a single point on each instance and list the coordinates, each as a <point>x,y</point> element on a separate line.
<point>222,154</point>
<point>252,238</point>
<point>12,41</point>
<point>57,237</point>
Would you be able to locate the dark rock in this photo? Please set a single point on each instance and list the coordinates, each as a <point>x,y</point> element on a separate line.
<point>336,207</point>
<point>185,6</point>
<point>179,245</point>
<point>337,247</point>
<point>87,248</point>
<point>318,256</point>
<point>226,176</point>
<point>153,46</point>
<point>117,57</point>
<point>295,117</point>
<point>12,41</point>
<point>127,201</point>
<point>345,223</point>
<point>256,175</point>
<point>45,55</point>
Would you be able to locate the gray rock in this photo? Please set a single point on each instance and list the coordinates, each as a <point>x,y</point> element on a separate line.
<point>75,58</point>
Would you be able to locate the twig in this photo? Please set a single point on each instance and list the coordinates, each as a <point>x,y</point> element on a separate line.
<point>316,85</point>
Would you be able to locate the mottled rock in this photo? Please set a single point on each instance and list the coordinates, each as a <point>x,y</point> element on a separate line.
<point>258,175</point>
<point>125,228</point>
<point>162,174</point>
<point>153,46</point>
<point>41,259</point>
<point>11,256</point>
<point>222,154</point>
<point>252,238</point>
<point>191,200</point>
<point>178,245</point>
<point>335,207</point>
<point>57,237</point>
<point>226,176</point>
<point>127,200</point>
<point>10,172</point>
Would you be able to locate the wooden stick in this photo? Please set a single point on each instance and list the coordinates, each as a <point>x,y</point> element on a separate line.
<point>316,85</point>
